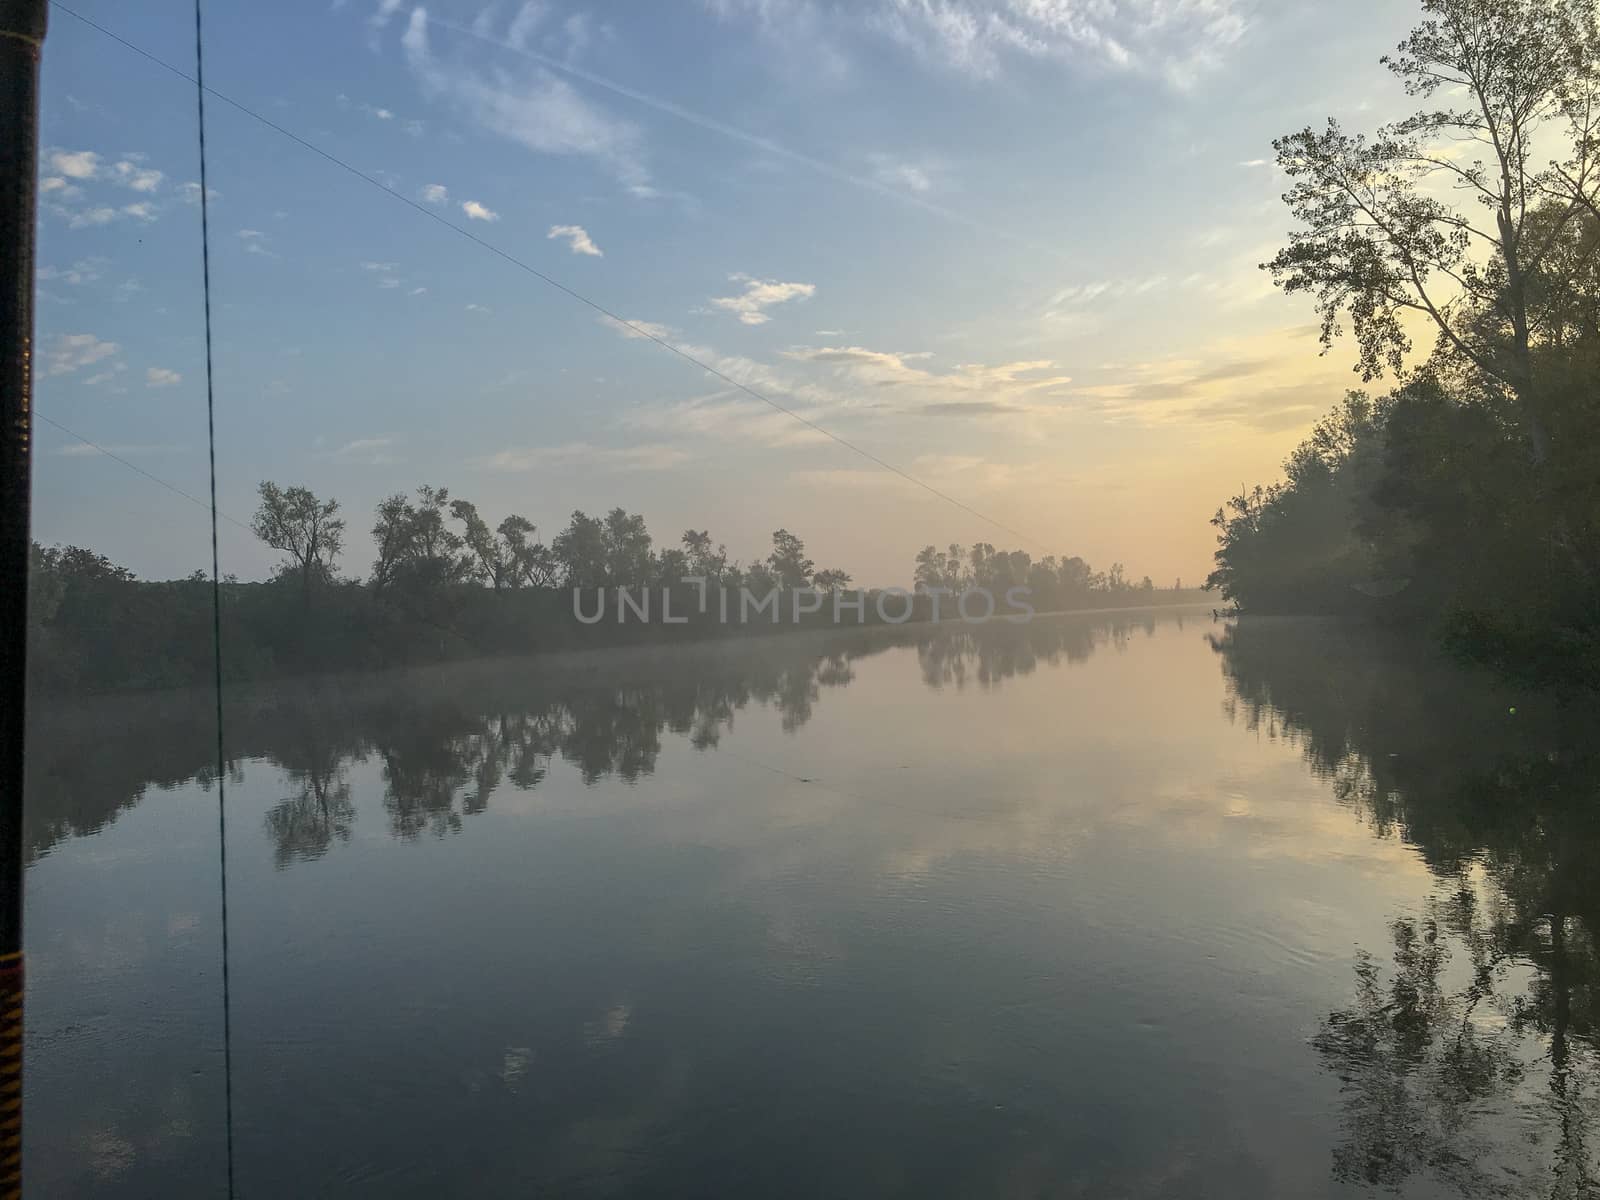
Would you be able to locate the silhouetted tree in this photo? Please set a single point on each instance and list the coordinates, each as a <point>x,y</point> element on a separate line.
<point>308,530</point>
<point>788,562</point>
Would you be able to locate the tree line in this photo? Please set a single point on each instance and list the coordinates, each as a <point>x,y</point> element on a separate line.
<point>444,584</point>
<point>432,541</point>
<point>1467,496</point>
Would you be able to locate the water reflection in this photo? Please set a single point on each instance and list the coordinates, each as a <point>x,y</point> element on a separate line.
<point>1006,911</point>
<point>447,738</point>
<point>1466,1050</point>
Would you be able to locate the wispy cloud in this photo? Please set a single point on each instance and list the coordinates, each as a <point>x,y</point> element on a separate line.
<point>751,305</point>
<point>895,172</point>
<point>434,193</point>
<point>69,352</point>
<point>1266,382</point>
<point>85,270</point>
<point>132,175</point>
<point>255,242</point>
<point>380,18</point>
<point>971,390</point>
<point>190,193</point>
<point>1176,40</point>
<point>894,189</point>
<point>376,451</point>
<point>535,109</point>
<point>478,212</point>
<point>82,450</point>
<point>161,377</point>
<point>578,239</point>
<point>727,416</point>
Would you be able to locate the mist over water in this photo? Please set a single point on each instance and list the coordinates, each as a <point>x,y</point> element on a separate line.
<point>1125,904</point>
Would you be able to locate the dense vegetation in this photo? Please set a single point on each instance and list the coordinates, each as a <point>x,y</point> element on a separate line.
<point>1468,497</point>
<point>445,586</point>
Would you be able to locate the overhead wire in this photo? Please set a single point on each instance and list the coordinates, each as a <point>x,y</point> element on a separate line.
<point>115,457</point>
<point>632,327</point>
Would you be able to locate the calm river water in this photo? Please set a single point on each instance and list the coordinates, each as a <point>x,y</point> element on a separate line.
<point>1100,906</point>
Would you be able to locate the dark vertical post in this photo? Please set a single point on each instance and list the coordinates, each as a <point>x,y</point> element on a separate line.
<point>22,25</point>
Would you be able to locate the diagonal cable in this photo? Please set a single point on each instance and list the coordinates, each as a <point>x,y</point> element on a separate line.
<point>632,327</point>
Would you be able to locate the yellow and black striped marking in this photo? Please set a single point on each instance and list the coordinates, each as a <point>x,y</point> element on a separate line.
<point>10,1075</point>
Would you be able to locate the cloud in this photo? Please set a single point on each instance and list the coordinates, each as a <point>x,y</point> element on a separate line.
<point>85,270</point>
<point>482,30</point>
<point>62,194</point>
<point>379,266</point>
<point>646,457</point>
<point>1083,294</point>
<point>729,416</point>
<point>383,114</point>
<point>434,193</point>
<point>75,164</point>
<point>640,329</point>
<point>160,377</point>
<point>536,109</point>
<point>578,240</point>
<point>896,173</point>
<point>479,308</point>
<point>88,217</point>
<point>1004,387</point>
<point>1179,41</point>
<point>1267,382</point>
<point>840,388</point>
<point>478,212</point>
<point>369,451</point>
<point>759,295</point>
<point>140,179</point>
<point>524,23</point>
<point>69,352</point>
<point>82,450</point>
<point>190,193</point>
<point>381,16</point>
<point>255,242</point>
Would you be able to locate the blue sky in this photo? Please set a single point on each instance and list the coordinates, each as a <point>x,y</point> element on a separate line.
<point>1009,246</point>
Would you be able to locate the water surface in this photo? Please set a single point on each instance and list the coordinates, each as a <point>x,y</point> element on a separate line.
<point>1118,905</point>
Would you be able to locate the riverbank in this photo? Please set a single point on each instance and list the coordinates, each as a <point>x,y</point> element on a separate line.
<point>139,637</point>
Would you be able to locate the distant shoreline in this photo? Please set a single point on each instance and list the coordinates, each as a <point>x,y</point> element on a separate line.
<point>570,663</point>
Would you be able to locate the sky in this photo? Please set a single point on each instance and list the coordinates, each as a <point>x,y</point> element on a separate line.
<point>1009,247</point>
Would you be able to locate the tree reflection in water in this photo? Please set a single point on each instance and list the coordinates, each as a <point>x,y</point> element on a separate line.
<point>1469,1056</point>
<point>447,738</point>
